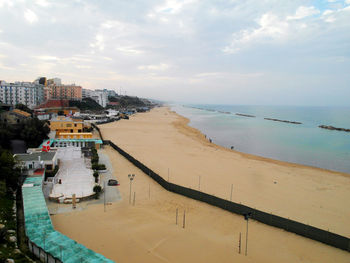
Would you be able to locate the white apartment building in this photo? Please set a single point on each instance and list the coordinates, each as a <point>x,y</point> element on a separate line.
<point>27,93</point>
<point>100,96</point>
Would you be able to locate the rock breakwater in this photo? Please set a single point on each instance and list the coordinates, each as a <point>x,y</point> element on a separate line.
<point>292,122</point>
<point>245,115</point>
<point>328,127</point>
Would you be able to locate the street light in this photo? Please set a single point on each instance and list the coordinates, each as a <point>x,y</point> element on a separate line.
<point>246,217</point>
<point>131,177</point>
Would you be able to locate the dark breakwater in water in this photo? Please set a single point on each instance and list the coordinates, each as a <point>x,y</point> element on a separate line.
<point>292,122</point>
<point>333,128</point>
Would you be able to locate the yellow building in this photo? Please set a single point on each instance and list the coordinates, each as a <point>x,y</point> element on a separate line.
<point>83,135</point>
<point>63,124</point>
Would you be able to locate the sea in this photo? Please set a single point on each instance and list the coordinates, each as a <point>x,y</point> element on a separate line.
<point>303,143</point>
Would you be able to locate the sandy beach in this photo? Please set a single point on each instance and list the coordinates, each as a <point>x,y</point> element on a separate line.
<point>147,231</point>
<point>162,140</point>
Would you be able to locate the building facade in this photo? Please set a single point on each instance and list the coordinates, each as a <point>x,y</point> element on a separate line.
<point>63,124</point>
<point>27,93</point>
<point>66,92</point>
<point>100,96</point>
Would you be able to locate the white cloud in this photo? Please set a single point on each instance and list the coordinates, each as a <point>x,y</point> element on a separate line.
<point>47,58</point>
<point>304,11</point>
<point>270,27</point>
<point>347,2</point>
<point>159,67</point>
<point>8,3</point>
<point>43,3</point>
<point>209,74</point>
<point>2,66</point>
<point>30,16</point>
<point>83,67</point>
<point>129,50</point>
<point>172,6</point>
<point>328,12</point>
<point>99,42</point>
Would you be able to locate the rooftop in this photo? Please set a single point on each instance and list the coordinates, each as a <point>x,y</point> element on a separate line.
<point>65,119</point>
<point>22,113</point>
<point>44,156</point>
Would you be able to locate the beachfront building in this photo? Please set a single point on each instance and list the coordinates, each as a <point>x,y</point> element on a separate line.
<point>100,96</point>
<point>74,135</point>
<point>53,107</point>
<point>65,92</point>
<point>37,160</point>
<point>63,124</point>
<point>27,93</point>
<point>70,132</point>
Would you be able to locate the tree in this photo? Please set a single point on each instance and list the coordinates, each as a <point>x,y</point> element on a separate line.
<point>6,135</point>
<point>7,171</point>
<point>86,104</point>
<point>97,190</point>
<point>34,132</point>
<point>96,176</point>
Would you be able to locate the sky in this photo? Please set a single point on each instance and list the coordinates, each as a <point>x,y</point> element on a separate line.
<point>257,52</point>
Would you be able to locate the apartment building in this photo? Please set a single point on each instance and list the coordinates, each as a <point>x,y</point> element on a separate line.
<point>100,96</point>
<point>67,92</point>
<point>27,93</point>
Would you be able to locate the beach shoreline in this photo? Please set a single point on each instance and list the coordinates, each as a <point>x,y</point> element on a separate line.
<point>163,141</point>
<point>183,126</point>
<point>147,231</point>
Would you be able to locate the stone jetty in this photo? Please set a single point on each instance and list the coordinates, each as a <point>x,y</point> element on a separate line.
<point>245,115</point>
<point>292,122</point>
<point>328,127</point>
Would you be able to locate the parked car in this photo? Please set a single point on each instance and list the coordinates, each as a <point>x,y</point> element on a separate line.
<point>113,182</point>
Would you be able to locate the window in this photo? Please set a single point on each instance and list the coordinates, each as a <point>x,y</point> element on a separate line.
<point>69,125</point>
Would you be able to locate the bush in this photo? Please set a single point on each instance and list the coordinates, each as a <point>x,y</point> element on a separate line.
<point>97,166</point>
<point>97,190</point>
<point>3,232</point>
<point>95,159</point>
<point>95,174</point>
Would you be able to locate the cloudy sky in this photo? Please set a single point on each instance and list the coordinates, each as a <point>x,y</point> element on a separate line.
<point>290,52</point>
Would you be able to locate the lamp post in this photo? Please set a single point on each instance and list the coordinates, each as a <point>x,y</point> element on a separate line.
<point>246,217</point>
<point>131,177</point>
